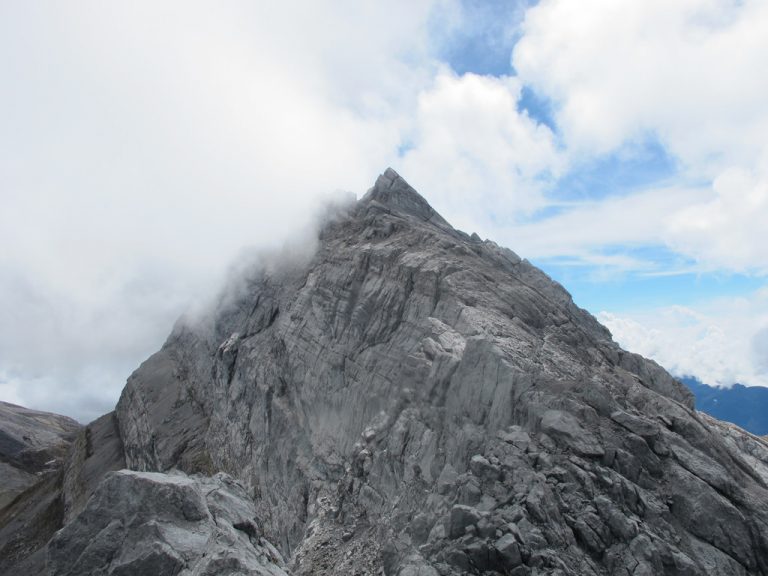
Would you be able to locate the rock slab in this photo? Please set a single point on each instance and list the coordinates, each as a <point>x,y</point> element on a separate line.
<point>140,523</point>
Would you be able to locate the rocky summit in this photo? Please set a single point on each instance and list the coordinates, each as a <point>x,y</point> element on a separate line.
<point>409,400</point>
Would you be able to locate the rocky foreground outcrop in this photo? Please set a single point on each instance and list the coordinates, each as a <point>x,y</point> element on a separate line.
<point>411,400</point>
<point>147,523</point>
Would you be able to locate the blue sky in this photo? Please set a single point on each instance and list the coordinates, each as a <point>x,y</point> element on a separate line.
<point>619,146</point>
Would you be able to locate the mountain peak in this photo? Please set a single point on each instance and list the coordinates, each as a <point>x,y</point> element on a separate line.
<point>476,420</point>
<point>392,191</point>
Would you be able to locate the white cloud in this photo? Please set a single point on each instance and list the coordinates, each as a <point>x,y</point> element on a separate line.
<point>687,70</point>
<point>475,155</point>
<point>720,342</point>
<point>688,73</point>
<point>583,230</point>
<point>730,230</point>
<point>9,392</point>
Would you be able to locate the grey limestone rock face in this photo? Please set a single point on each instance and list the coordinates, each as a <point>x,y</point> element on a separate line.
<point>74,463</point>
<point>141,523</point>
<point>412,400</point>
<point>97,449</point>
<point>417,399</point>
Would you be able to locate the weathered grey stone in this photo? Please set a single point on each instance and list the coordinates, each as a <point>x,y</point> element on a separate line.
<point>483,469</point>
<point>470,493</point>
<point>479,554</point>
<point>565,427</point>
<point>622,527</point>
<point>420,527</point>
<point>447,479</point>
<point>139,523</point>
<point>97,449</point>
<point>486,527</point>
<point>509,551</point>
<point>635,424</point>
<point>462,517</point>
<point>435,348</point>
<point>516,436</point>
<point>416,566</point>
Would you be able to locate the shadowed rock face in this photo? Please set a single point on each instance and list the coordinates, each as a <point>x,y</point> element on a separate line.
<point>31,442</point>
<point>419,401</point>
<point>33,451</point>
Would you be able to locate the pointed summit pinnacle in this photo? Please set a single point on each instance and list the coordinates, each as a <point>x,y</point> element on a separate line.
<point>395,193</point>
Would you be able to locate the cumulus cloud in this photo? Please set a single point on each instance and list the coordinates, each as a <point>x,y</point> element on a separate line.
<point>582,231</point>
<point>688,74</point>
<point>729,231</point>
<point>476,155</point>
<point>760,350</point>
<point>720,342</point>
<point>686,71</point>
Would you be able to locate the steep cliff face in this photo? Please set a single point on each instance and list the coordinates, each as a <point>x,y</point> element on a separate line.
<point>418,400</point>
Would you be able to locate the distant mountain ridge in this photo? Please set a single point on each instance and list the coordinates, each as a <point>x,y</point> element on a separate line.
<point>745,406</point>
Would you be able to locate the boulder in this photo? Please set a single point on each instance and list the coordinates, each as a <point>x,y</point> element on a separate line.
<point>139,523</point>
<point>462,517</point>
